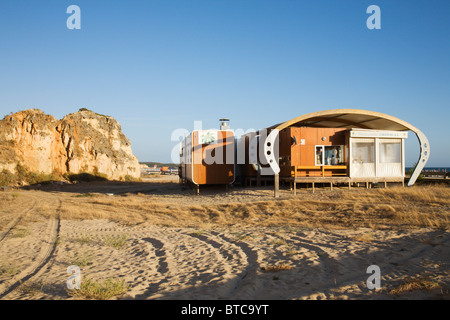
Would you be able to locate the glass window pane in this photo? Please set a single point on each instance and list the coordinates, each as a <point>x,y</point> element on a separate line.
<point>334,155</point>
<point>319,155</point>
<point>362,152</point>
<point>390,152</point>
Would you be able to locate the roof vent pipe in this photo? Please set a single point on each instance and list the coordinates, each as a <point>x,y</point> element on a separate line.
<point>224,124</point>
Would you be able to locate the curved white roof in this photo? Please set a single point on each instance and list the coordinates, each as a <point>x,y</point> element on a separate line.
<point>348,118</point>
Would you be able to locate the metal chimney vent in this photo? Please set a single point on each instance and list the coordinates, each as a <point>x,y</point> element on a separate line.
<point>224,124</point>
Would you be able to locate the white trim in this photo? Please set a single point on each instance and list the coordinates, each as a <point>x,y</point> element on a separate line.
<point>377,156</point>
<point>403,157</point>
<point>361,133</point>
<point>424,155</point>
<point>350,156</point>
<point>192,150</point>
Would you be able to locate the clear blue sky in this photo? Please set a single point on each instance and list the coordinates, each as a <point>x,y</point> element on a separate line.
<point>159,65</point>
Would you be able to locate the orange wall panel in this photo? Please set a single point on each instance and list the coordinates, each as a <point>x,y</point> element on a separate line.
<point>303,152</point>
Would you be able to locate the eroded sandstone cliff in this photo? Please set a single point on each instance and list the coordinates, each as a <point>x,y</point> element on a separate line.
<point>83,141</point>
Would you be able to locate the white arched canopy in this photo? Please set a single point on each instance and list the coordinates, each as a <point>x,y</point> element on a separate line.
<point>355,118</point>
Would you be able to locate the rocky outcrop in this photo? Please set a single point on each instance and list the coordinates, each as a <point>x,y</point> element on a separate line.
<point>83,141</point>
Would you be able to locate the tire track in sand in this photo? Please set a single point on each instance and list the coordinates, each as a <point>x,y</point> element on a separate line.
<point>393,268</point>
<point>240,261</point>
<point>163,270</point>
<point>43,257</point>
<point>216,265</point>
<point>328,264</point>
<point>246,285</point>
<point>15,221</point>
<point>160,252</point>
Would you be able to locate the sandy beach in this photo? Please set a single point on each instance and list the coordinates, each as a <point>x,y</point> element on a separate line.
<point>159,241</point>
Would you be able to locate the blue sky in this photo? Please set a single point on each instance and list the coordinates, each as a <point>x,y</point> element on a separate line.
<point>160,65</point>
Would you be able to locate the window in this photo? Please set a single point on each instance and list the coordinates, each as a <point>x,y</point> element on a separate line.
<point>329,155</point>
<point>334,155</point>
<point>363,152</point>
<point>379,157</point>
<point>390,151</point>
<point>319,155</point>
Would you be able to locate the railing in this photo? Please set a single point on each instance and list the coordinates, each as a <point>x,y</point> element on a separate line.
<point>323,170</point>
<point>435,174</point>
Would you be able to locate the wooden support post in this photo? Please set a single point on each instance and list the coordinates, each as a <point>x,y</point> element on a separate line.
<point>258,178</point>
<point>295,183</point>
<point>331,185</point>
<point>313,187</point>
<point>349,186</point>
<point>385,184</point>
<point>276,186</point>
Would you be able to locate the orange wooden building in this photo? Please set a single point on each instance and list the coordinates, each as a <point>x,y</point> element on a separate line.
<point>332,146</point>
<point>207,157</point>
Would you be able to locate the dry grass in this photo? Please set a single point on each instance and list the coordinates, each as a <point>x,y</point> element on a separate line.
<point>396,207</point>
<point>416,283</point>
<point>32,288</point>
<point>8,270</point>
<point>196,233</point>
<point>99,290</point>
<point>276,268</point>
<point>83,239</point>
<point>279,242</point>
<point>82,260</point>
<point>377,209</point>
<point>366,237</point>
<point>20,232</point>
<point>118,242</point>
